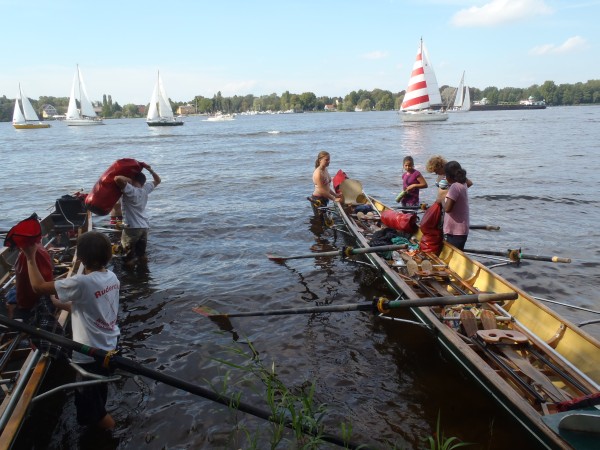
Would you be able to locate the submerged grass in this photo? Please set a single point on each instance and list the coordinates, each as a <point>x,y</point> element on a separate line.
<point>296,417</point>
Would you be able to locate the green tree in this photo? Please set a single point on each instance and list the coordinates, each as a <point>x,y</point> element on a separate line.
<point>308,100</point>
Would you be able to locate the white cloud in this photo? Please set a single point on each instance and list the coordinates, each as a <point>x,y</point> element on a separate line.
<point>573,44</point>
<point>498,12</point>
<point>377,54</point>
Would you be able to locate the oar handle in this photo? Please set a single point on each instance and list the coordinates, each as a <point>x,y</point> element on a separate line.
<point>484,227</point>
<point>516,255</point>
<point>450,300</point>
<point>556,259</point>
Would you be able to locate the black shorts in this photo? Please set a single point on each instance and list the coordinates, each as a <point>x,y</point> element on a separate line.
<point>90,401</point>
<point>458,240</point>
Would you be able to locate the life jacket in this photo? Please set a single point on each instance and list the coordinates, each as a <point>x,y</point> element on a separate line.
<point>105,192</point>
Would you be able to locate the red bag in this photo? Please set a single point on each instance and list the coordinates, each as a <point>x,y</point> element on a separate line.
<point>433,237</point>
<point>105,192</point>
<point>27,232</point>
<point>407,223</point>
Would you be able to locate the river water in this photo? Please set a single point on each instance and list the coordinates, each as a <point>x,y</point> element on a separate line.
<point>234,191</point>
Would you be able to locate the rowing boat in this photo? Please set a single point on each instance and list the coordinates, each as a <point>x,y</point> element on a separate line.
<point>544,370</point>
<point>23,367</point>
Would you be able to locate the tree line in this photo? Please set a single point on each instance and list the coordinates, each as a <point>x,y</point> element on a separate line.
<point>378,100</point>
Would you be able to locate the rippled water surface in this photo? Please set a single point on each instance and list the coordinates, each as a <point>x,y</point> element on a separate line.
<point>234,191</point>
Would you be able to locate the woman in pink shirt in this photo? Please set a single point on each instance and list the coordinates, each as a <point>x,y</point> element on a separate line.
<point>455,202</point>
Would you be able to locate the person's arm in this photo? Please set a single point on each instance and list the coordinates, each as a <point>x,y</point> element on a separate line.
<point>38,284</point>
<point>448,205</point>
<point>122,181</point>
<point>469,183</point>
<point>155,176</point>
<point>420,184</point>
<point>59,305</point>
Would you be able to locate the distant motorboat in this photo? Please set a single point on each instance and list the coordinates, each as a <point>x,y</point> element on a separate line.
<point>85,114</point>
<point>220,117</point>
<point>160,113</point>
<point>530,103</point>
<point>24,116</point>
<point>422,92</point>
<point>462,98</point>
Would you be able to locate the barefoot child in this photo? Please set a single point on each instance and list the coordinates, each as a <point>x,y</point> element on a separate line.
<point>93,299</point>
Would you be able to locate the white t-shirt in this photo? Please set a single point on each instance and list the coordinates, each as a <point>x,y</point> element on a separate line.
<point>94,310</point>
<point>134,205</point>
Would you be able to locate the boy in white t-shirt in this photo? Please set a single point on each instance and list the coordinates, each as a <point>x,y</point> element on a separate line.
<point>93,299</point>
<point>135,197</point>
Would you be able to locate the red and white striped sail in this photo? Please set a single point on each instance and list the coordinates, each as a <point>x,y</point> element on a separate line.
<point>423,90</point>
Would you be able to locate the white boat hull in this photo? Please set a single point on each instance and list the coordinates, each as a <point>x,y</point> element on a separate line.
<point>423,116</point>
<point>83,122</point>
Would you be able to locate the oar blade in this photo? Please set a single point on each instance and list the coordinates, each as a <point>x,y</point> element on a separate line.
<point>206,311</point>
<point>275,258</point>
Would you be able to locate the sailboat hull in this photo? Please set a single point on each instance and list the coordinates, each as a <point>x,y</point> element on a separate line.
<point>162,123</point>
<point>30,126</point>
<point>423,116</point>
<point>83,122</point>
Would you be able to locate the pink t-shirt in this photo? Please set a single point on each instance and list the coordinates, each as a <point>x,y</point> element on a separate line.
<point>457,221</point>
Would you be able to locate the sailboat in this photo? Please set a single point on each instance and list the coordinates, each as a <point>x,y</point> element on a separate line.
<point>160,113</point>
<point>85,114</point>
<point>24,116</point>
<point>462,98</point>
<point>422,92</point>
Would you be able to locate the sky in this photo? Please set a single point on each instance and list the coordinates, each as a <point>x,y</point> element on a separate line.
<point>260,47</point>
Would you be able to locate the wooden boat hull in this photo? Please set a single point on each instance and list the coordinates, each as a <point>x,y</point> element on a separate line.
<point>575,353</point>
<point>23,377</point>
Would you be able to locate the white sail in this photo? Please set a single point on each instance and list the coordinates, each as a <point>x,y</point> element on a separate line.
<point>153,109</point>
<point>28,110</point>
<point>466,106</point>
<point>432,85</point>
<point>18,116</point>
<point>459,97</point>
<point>72,111</point>
<point>164,106</point>
<point>87,109</point>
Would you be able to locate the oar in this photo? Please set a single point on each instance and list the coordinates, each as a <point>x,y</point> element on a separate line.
<point>375,306</point>
<point>516,255</point>
<point>484,227</point>
<point>139,369</point>
<point>345,251</point>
